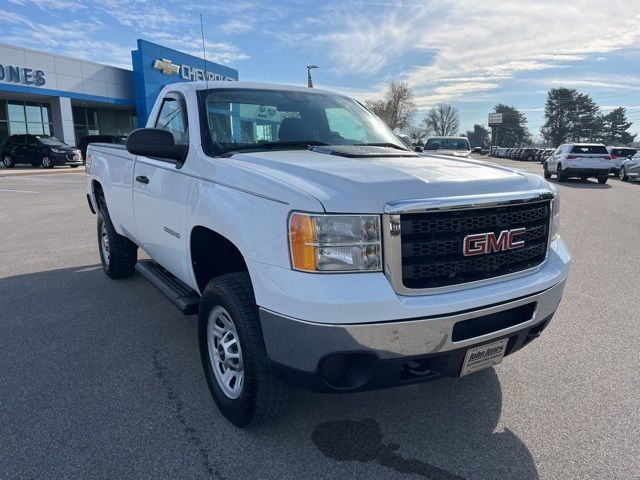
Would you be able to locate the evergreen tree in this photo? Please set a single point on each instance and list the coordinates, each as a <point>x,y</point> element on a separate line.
<point>615,129</point>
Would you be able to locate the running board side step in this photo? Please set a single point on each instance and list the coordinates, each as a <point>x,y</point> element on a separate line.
<point>183,297</point>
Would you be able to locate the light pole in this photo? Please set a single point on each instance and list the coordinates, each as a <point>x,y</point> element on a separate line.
<point>309,81</point>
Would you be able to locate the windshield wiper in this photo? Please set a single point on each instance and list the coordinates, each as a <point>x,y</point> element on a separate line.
<point>382,144</point>
<point>256,147</point>
<point>298,143</point>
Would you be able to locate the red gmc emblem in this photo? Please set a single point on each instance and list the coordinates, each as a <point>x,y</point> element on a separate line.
<point>481,243</point>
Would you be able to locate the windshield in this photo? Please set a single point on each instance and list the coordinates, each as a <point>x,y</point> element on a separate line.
<point>47,140</point>
<point>447,144</point>
<point>253,119</point>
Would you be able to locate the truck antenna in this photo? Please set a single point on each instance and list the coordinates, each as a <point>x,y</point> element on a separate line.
<point>204,55</point>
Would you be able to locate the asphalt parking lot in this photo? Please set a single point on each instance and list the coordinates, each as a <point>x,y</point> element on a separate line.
<point>102,378</point>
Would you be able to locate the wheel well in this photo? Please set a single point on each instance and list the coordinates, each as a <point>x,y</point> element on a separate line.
<point>98,194</point>
<point>213,255</point>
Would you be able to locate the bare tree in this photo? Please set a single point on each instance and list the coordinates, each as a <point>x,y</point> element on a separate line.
<point>442,120</point>
<point>417,135</point>
<point>397,107</point>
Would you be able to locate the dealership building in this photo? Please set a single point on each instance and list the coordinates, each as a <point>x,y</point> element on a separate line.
<point>69,98</point>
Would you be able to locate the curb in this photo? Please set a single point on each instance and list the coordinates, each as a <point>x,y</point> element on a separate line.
<point>5,173</point>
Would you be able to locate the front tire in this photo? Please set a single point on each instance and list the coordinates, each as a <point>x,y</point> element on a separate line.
<point>233,354</point>
<point>603,180</point>
<point>47,161</point>
<point>560,174</point>
<point>547,173</point>
<point>118,254</point>
<point>623,174</point>
<point>8,162</point>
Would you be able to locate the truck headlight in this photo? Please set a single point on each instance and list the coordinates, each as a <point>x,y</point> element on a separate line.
<point>555,218</point>
<point>335,243</point>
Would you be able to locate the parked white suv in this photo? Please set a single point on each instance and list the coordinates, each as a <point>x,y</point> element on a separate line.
<point>317,250</point>
<point>581,160</point>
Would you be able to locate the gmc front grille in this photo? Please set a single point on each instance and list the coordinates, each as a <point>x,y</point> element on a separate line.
<point>432,244</point>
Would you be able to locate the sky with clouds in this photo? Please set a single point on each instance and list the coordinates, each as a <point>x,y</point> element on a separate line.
<point>472,54</point>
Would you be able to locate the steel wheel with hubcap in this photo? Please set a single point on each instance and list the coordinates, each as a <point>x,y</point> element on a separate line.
<point>105,250</point>
<point>47,162</point>
<point>225,352</point>
<point>234,358</point>
<point>8,162</point>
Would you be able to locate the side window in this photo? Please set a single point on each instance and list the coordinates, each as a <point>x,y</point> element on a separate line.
<point>173,118</point>
<point>32,141</point>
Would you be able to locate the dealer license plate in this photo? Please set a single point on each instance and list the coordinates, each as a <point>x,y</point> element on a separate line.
<point>479,358</point>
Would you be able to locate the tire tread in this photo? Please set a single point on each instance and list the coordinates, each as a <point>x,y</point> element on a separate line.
<point>123,252</point>
<point>271,395</point>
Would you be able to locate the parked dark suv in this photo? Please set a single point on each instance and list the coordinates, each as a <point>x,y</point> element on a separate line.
<point>39,150</point>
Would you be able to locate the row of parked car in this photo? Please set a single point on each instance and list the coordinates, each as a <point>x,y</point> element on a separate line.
<point>529,154</point>
<point>580,160</point>
<point>47,151</point>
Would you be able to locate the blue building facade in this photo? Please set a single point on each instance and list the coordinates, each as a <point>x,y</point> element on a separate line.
<point>45,93</point>
<point>155,66</point>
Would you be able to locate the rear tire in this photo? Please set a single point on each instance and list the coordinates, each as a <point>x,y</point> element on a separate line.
<point>74,166</point>
<point>603,180</point>
<point>118,254</point>
<point>623,174</point>
<point>560,174</point>
<point>8,162</point>
<point>242,385</point>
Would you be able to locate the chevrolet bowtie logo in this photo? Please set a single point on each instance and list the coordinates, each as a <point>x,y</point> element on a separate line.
<point>166,66</point>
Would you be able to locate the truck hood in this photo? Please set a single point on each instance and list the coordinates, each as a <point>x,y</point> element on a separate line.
<point>365,185</point>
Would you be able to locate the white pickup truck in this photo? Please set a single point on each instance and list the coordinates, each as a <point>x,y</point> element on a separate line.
<point>317,250</point>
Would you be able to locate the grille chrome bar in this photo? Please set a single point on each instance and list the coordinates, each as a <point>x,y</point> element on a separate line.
<point>467,202</point>
<point>393,234</point>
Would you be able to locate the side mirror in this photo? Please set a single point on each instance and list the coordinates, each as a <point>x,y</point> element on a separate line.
<point>156,142</point>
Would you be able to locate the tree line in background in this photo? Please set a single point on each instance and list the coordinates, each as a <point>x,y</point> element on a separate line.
<point>574,116</point>
<point>569,116</point>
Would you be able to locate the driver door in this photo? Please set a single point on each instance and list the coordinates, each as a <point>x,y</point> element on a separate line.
<point>160,193</point>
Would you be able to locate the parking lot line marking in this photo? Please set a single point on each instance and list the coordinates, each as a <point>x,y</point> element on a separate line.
<point>15,190</point>
<point>50,180</point>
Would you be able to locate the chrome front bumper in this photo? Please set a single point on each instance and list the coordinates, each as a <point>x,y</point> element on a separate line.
<point>301,345</point>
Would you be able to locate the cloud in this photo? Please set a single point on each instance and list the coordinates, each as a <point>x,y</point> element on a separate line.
<point>51,4</point>
<point>482,44</point>
<point>91,37</point>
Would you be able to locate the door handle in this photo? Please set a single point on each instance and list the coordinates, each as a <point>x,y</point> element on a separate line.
<point>142,179</point>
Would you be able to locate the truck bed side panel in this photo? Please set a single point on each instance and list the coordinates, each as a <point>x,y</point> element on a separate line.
<point>112,166</point>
